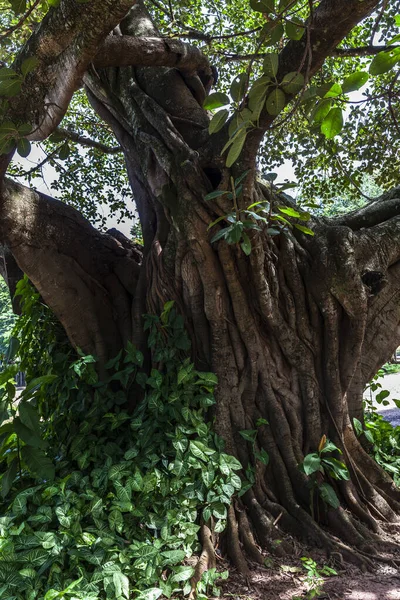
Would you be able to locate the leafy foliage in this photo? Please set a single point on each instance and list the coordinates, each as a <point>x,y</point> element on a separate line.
<point>97,502</point>
<point>7,317</point>
<point>322,467</point>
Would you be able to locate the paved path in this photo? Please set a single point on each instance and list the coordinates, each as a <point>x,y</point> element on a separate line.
<point>392,384</point>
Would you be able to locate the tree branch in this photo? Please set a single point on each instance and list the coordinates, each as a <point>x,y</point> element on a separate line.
<point>88,142</point>
<point>337,52</point>
<point>64,44</point>
<point>73,266</point>
<point>120,51</point>
<point>331,22</point>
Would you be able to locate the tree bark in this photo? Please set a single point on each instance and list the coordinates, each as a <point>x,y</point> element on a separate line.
<point>294,331</point>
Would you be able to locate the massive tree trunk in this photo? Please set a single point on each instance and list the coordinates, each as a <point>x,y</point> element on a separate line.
<point>294,331</point>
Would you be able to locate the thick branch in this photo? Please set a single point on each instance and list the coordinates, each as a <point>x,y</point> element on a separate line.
<point>339,52</point>
<point>65,44</point>
<point>87,278</point>
<point>119,51</point>
<point>379,210</point>
<point>331,22</point>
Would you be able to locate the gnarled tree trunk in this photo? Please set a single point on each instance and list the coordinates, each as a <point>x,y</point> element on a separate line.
<point>294,331</point>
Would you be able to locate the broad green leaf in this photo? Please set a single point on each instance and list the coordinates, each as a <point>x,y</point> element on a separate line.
<point>8,477</point>
<point>238,87</point>
<point>23,147</point>
<point>182,574</point>
<point>320,111</point>
<point>291,212</point>
<point>216,100</point>
<point>271,64</point>
<point>263,6</point>
<point>304,229</point>
<point>29,417</point>
<point>121,585</point>
<point>28,436</point>
<point>13,347</point>
<point>328,495</point>
<point>384,62</point>
<point>294,29</point>
<point>355,81</point>
<point>331,90</point>
<point>64,152</point>
<point>262,456</point>
<point>292,83</point>
<point>236,148</point>
<point>7,73</point>
<point>173,557</point>
<point>10,87</point>
<point>246,244</point>
<point>218,510</point>
<point>18,6</point>
<point>275,102</point>
<point>29,65</point>
<point>249,434</point>
<point>38,462</point>
<point>333,123</point>
<point>218,121</point>
<point>215,194</point>
<point>311,464</point>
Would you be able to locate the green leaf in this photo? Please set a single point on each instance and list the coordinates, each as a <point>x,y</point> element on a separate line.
<point>29,417</point>
<point>182,574</point>
<point>121,584</point>
<point>27,435</point>
<point>328,495</point>
<point>287,210</point>
<point>331,90</point>
<point>38,462</point>
<point>8,477</point>
<point>18,6</point>
<point>336,468</point>
<point>292,83</point>
<point>246,244</point>
<point>64,151</point>
<point>218,121</point>
<point>311,464</point>
<point>236,148</point>
<point>216,100</point>
<point>29,65</point>
<point>333,123</point>
<point>228,463</point>
<point>262,456</point>
<point>173,557</point>
<point>271,64</point>
<point>23,147</point>
<point>215,194</point>
<point>275,102</point>
<point>304,229</point>
<point>384,62</point>
<point>249,434</point>
<point>12,350</point>
<point>10,87</point>
<point>263,6</point>
<point>238,87</point>
<point>320,111</point>
<point>355,81</point>
<point>295,29</point>
<point>219,510</point>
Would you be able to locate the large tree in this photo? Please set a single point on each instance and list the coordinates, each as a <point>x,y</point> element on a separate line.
<point>294,316</point>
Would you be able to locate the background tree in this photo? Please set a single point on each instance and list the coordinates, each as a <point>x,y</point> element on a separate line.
<point>294,313</point>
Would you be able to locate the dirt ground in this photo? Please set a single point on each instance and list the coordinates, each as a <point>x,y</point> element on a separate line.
<point>278,584</point>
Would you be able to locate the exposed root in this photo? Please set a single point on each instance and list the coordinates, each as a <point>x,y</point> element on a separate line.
<point>233,545</point>
<point>206,560</point>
